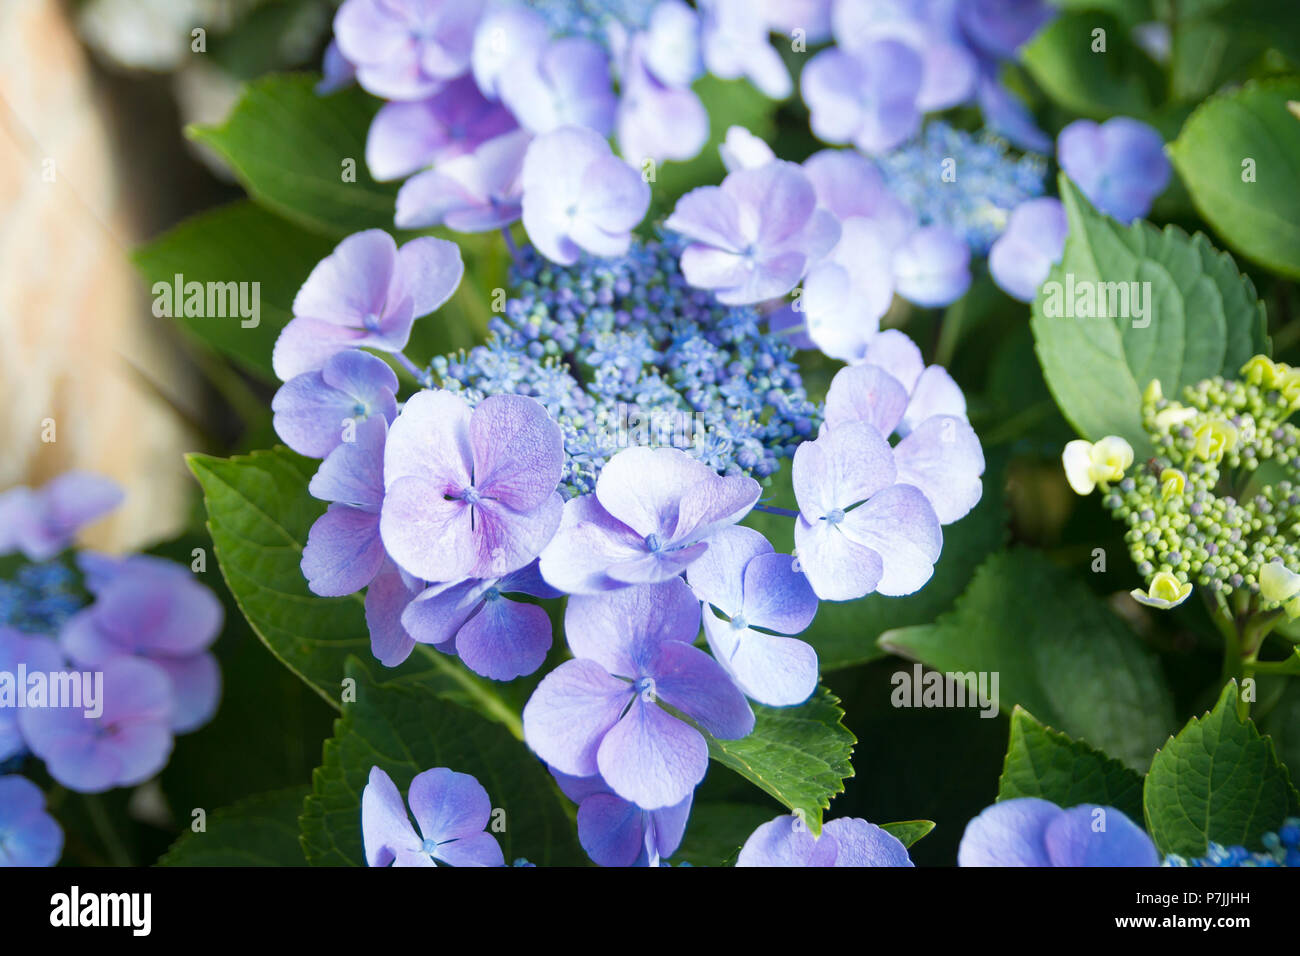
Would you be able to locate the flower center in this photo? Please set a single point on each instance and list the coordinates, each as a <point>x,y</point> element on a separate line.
<point>836,516</point>
<point>371,321</point>
<point>653,543</point>
<point>739,623</point>
<point>429,847</point>
<point>471,496</point>
<point>645,687</point>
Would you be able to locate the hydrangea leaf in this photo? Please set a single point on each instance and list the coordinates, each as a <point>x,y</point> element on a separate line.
<point>1058,651</point>
<point>295,152</point>
<point>259,514</point>
<point>1042,762</point>
<point>908,832</point>
<point>1202,319</point>
<point>1239,155</point>
<point>799,755</point>
<point>1219,780</point>
<point>406,729</point>
<point>259,831</point>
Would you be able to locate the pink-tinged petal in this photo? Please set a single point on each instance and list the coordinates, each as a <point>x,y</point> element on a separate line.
<point>900,525</point>
<point>866,393</point>
<point>781,192</point>
<point>860,843</point>
<point>944,459</point>
<point>447,805</point>
<point>196,687</point>
<point>712,217</point>
<point>935,394</point>
<point>507,540</point>
<point>837,569</point>
<point>305,345</point>
<point>350,283</point>
<point>518,451</point>
<point>717,576</point>
<point>611,830</point>
<point>429,536</point>
<point>436,614</point>
<point>578,789</point>
<point>343,552</point>
<point>622,630</point>
<point>587,543</point>
<point>506,37</point>
<point>694,683</point>
<point>431,440</point>
<point>642,487</point>
<point>709,506</point>
<point>898,355</point>
<point>156,606</point>
<point>777,671</point>
<point>777,595</point>
<point>845,465</point>
<point>784,841</point>
<point>476,849</point>
<point>386,830</point>
<point>651,758</point>
<point>570,712</point>
<point>658,122</point>
<point>405,137</point>
<point>846,183</point>
<point>386,600</point>
<point>505,640</point>
<point>428,271</point>
<point>708,268</point>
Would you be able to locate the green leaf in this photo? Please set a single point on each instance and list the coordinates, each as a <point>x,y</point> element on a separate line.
<point>259,831</point>
<point>240,242</point>
<point>909,832</point>
<point>1202,319</point>
<point>1045,763</point>
<point>800,755</point>
<point>1217,780</point>
<point>405,730</point>
<point>717,830</point>
<point>1260,219</point>
<point>289,148</point>
<point>259,514</point>
<point>1063,60</point>
<point>1057,650</point>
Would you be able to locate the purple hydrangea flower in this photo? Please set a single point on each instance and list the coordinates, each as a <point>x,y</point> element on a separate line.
<point>154,609</point>
<point>735,44</point>
<point>652,514</point>
<point>1120,165</point>
<point>408,136</point>
<point>366,293</point>
<point>126,744</point>
<point>506,36</point>
<point>315,411</point>
<point>387,597</point>
<point>407,49</point>
<point>753,237</point>
<point>848,841</point>
<point>452,810</point>
<point>930,389</point>
<point>741,576</point>
<point>37,654</point>
<point>344,551</point>
<point>670,45</point>
<point>494,636</point>
<point>616,832</point>
<point>478,192</point>
<point>867,97</point>
<point>564,83</point>
<point>600,712</point>
<point>858,529</point>
<point>1034,240</point>
<point>939,454</point>
<point>29,836</point>
<point>579,196</point>
<point>470,493</point>
<point>1031,832</point>
<point>42,522</point>
<point>657,121</point>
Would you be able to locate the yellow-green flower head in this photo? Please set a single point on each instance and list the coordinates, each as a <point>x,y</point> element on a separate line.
<point>1173,415</point>
<point>1172,483</point>
<point>1214,439</point>
<point>1087,463</point>
<point>1279,583</point>
<point>1260,370</point>
<point>1153,392</point>
<point>1289,385</point>
<point>1164,592</point>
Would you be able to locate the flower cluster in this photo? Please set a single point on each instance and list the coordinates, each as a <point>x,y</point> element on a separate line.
<point>1280,849</point>
<point>103,659</point>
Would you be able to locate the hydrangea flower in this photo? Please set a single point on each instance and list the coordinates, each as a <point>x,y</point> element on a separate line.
<point>451,809</point>
<point>314,411</point>
<point>39,655</point>
<point>848,841</point>
<point>657,120</point>
<point>858,530</point>
<point>867,96</point>
<point>741,149</point>
<point>42,522</point>
<point>735,44</point>
<point>366,293</point>
<point>579,196</point>
<point>153,609</point>
<point>1031,832</point>
<point>601,713</point>
<point>753,237</point>
<point>29,836</point>
<point>652,514</point>
<point>616,832</point>
<point>1164,592</point>
<point>476,192</point>
<point>742,576</point>
<point>470,493</point>
<point>1021,258</point>
<point>507,34</point>
<point>494,636</point>
<point>344,550</point>
<point>563,83</point>
<point>1120,165</point>
<point>1087,464</point>
<point>127,744</point>
<point>406,49</point>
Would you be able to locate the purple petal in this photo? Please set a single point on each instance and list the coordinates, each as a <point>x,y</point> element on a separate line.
<point>428,272</point>
<point>518,451</point>
<point>622,630</point>
<point>437,613</point>
<point>196,687</point>
<point>864,844</point>
<point>588,542</point>
<point>866,393</point>
<point>344,551</point>
<point>429,536</point>
<point>430,440</point>
<point>694,683</point>
<point>784,841</point>
<point>386,830</point>
<point>651,758</point>
<point>353,473</point>
<point>777,595</point>
<point>570,712</point>
<point>506,36</point>
<point>350,283</point>
<point>1021,258</point>
<point>943,458</point>
<point>717,576</point>
<point>933,267</point>
<point>32,836</point>
<point>935,394</point>
<point>386,600</point>
<point>837,568</point>
<point>777,671</point>
<point>900,525</point>
<point>611,829</point>
<point>448,805</point>
<point>898,355</point>
<point>1074,839</point>
<point>505,640</point>
<point>843,466</point>
<point>1010,833</point>
<point>476,849</point>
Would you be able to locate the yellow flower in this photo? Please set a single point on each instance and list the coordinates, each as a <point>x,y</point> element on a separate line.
<point>1087,463</point>
<point>1214,438</point>
<point>1260,370</point>
<point>1164,592</point>
<point>1172,483</point>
